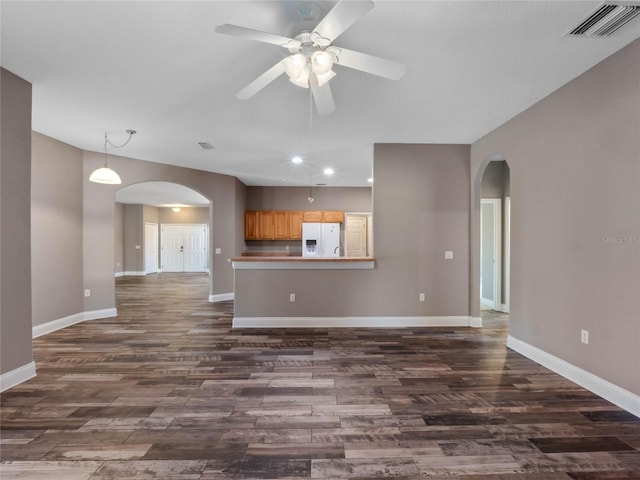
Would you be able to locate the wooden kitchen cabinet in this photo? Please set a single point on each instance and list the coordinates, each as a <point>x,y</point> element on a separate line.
<point>284,224</point>
<point>251,225</point>
<point>281,224</point>
<point>332,216</point>
<point>312,216</point>
<point>266,225</point>
<point>295,225</point>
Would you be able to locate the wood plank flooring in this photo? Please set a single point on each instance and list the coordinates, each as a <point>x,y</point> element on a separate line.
<point>167,390</point>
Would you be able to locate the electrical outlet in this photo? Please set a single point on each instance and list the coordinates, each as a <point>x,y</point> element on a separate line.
<point>87,292</point>
<point>137,247</point>
<point>448,254</point>
<point>218,251</point>
<point>584,336</point>
<point>421,297</point>
<point>292,297</point>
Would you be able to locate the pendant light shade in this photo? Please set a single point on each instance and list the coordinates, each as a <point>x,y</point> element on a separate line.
<point>105,175</point>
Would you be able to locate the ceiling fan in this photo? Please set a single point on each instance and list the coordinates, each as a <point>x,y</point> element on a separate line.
<point>312,55</point>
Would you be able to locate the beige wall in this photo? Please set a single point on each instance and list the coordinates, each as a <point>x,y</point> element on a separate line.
<point>421,209</point>
<point>15,224</point>
<point>118,238</point>
<point>348,199</point>
<point>56,229</point>
<point>574,160</point>
<point>133,236</point>
<point>198,215</point>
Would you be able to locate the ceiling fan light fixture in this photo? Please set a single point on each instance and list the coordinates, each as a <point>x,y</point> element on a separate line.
<point>295,65</point>
<point>301,81</point>
<point>324,78</point>
<point>321,62</point>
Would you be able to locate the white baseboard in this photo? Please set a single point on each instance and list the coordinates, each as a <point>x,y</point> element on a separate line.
<point>607,390</point>
<point>221,297</point>
<point>119,274</point>
<point>503,308</point>
<point>133,274</point>
<point>53,325</point>
<point>104,313</point>
<point>349,322</point>
<point>17,376</point>
<point>475,322</point>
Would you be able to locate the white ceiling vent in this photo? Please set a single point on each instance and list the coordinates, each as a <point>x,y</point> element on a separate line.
<point>205,145</point>
<point>607,18</point>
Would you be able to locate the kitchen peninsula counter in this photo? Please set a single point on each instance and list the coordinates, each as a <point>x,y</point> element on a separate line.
<point>283,262</point>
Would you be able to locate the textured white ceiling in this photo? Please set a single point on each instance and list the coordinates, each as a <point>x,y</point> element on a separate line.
<point>159,68</point>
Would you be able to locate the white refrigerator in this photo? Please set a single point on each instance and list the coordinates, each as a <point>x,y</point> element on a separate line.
<point>320,239</point>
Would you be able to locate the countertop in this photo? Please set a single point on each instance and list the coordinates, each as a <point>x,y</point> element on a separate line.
<point>302,263</point>
<point>298,258</point>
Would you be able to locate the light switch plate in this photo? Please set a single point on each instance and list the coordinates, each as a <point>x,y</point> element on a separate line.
<point>218,251</point>
<point>448,254</point>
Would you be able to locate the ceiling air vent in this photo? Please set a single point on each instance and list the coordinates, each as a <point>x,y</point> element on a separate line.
<point>607,18</point>
<point>205,145</point>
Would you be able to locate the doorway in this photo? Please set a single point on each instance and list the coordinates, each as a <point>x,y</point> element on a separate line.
<point>495,237</point>
<point>490,253</point>
<point>184,247</point>
<point>358,236</point>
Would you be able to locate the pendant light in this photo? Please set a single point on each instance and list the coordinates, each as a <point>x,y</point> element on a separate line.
<point>105,175</point>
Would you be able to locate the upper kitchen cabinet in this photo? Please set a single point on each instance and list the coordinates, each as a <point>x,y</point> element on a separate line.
<point>266,225</point>
<point>332,216</point>
<point>312,216</point>
<point>295,225</point>
<point>323,216</point>
<point>251,225</point>
<point>284,224</point>
<point>281,225</point>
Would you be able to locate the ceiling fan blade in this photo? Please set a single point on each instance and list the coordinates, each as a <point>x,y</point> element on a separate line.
<point>262,81</point>
<point>341,17</point>
<point>368,63</point>
<point>321,95</point>
<point>257,35</point>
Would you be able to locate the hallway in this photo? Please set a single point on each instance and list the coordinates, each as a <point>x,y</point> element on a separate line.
<point>167,390</point>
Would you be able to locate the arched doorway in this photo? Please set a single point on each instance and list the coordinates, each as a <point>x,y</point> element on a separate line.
<point>495,208</point>
<point>161,226</point>
<point>491,249</point>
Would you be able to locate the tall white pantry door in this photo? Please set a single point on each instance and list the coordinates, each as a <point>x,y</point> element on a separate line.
<point>184,247</point>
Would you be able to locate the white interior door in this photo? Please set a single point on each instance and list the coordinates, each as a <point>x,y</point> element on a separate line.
<point>356,233</point>
<point>172,248</point>
<point>184,248</point>
<point>150,248</point>
<point>490,252</point>
<point>195,248</point>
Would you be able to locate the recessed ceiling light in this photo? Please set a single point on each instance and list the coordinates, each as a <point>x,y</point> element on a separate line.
<point>297,159</point>
<point>370,179</point>
<point>328,171</point>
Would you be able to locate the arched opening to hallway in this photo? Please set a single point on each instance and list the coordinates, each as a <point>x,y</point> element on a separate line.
<point>161,227</point>
<point>494,196</point>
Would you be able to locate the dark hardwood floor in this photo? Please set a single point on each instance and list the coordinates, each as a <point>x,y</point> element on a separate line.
<point>167,390</point>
